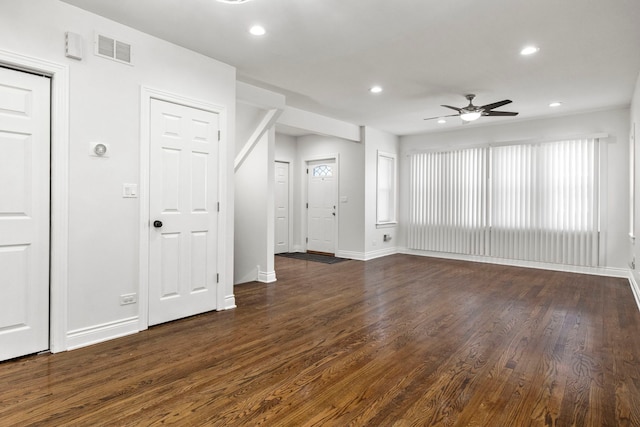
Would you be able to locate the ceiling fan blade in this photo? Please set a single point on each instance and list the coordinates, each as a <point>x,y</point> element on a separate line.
<point>459,110</point>
<point>496,104</point>
<point>441,117</point>
<point>499,113</point>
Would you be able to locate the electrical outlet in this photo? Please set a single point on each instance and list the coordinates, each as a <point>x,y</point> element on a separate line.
<point>128,299</point>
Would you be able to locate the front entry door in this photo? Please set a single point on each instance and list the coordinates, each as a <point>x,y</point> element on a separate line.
<point>321,211</point>
<point>24,213</point>
<point>183,202</point>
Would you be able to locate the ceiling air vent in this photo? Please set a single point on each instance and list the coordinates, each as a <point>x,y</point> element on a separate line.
<point>110,48</point>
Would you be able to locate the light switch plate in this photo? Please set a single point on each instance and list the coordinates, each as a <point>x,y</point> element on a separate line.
<point>129,191</point>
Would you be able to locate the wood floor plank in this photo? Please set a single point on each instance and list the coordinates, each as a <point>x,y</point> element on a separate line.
<point>397,341</point>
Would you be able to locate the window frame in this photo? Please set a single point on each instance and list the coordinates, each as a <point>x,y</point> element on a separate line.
<point>390,189</point>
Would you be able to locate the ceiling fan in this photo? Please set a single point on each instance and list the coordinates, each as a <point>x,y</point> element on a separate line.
<point>471,112</point>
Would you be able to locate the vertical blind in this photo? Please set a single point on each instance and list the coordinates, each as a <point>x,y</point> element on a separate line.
<point>541,202</point>
<point>448,195</point>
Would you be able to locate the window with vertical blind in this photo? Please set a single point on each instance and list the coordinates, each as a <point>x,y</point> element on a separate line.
<point>535,202</point>
<point>448,199</point>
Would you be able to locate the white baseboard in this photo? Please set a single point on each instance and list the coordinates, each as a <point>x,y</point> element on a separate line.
<point>229,302</point>
<point>266,276</point>
<point>99,333</point>
<point>359,256</point>
<point>380,253</point>
<point>596,271</point>
<point>634,288</point>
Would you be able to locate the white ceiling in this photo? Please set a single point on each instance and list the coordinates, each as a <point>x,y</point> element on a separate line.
<point>325,54</point>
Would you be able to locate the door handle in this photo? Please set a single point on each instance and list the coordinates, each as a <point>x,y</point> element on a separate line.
<point>333,213</point>
<point>157,224</point>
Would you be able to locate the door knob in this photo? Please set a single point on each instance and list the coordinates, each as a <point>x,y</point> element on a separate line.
<point>157,224</point>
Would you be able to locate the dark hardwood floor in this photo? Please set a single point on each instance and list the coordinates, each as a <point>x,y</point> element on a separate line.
<point>398,341</point>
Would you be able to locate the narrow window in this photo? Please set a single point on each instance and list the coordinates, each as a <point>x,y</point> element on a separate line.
<point>386,189</point>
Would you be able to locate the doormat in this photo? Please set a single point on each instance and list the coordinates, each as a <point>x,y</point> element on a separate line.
<point>325,259</point>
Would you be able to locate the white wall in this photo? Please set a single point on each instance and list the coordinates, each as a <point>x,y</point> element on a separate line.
<point>351,185</point>
<point>613,122</point>
<point>374,141</point>
<point>105,106</point>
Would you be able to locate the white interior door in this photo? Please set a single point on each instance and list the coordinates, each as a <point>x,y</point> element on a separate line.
<point>282,208</point>
<point>321,208</point>
<point>183,207</point>
<point>24,213</point>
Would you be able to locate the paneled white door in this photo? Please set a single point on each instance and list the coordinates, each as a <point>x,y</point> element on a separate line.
<point>321,208</point>
<point>183,207</point>
<point>24,213</point>
<point>282,207</point>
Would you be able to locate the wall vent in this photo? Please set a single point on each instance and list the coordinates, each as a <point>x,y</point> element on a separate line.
<point>108,47</point>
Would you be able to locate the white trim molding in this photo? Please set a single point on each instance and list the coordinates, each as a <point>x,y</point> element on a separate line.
<point>98,333</point>
<point>595,271</point>
<point>369,255</point>
<point>358,256</point>
<point>58,276</point>
<point>634,288</point>
<point>229,302</point>
<point>266,276</point>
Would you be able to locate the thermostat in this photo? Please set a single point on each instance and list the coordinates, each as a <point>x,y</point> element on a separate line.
<point>99,149</point>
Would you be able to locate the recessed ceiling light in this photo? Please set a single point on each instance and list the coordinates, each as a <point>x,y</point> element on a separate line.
<point>529,50</point>
<point>375,89</point>
<point>555,104</point>
<point>233,1</point>
<point>258,30</point>
<point>442,121</point>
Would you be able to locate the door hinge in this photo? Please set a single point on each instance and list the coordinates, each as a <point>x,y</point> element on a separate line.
<point>306,240</point>
<point>218,207</point>
<point>307,171</point>
<point>218,135</point>
<point>217,277</point>
<point>307,205</point>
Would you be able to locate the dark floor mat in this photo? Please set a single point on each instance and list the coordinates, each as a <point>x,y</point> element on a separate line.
<point>325,259</point>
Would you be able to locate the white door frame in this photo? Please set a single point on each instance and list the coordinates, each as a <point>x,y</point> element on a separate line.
<point>146,94</point>
<point>305,196</point>
<point>59,210</point>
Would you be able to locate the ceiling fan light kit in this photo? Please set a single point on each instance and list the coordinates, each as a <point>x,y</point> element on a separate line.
<point>470,116</point>
<point>472,112</point>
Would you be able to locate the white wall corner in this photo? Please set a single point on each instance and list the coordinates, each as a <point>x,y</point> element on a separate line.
<point>99,333</point>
